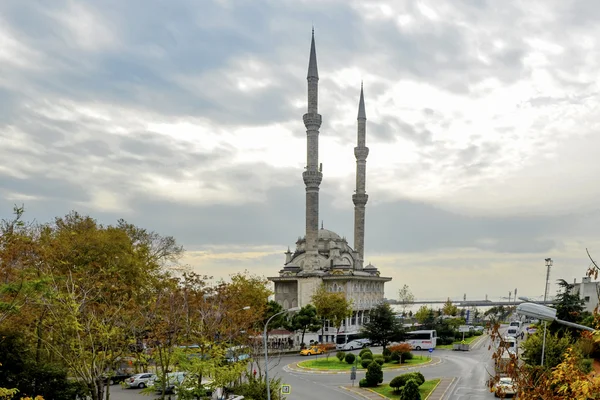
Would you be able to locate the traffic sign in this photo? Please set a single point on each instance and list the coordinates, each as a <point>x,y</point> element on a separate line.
<point>286,389</point>
<point>431,350</point>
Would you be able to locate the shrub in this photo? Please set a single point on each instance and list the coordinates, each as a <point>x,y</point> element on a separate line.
<point>401,380</point>
<point>418,377</point>
<point>340,355</point>
<point>445,340</point>
<point>350,358</point>
<point>379,361</point>
<point>395,357</point>
<point>374,375</point>
<point>478,333</point>
<point>410,391</point>
<point>367,356</point>
<point>365,363</point>
<point>408,356</point>
<point>397,383</point>
<point>386,352</point>
<point>362,382</point>
<point>365,351</point>
<point>387,359</point>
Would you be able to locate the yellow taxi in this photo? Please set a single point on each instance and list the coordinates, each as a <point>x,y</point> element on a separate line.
<point>309,351</point>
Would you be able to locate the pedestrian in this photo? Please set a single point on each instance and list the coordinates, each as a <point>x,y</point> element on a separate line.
<point>522,335</point>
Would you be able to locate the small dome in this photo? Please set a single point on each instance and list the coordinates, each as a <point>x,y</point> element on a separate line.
<point>326,234</point>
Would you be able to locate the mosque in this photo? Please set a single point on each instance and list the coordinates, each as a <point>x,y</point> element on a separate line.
<point>323,256</point>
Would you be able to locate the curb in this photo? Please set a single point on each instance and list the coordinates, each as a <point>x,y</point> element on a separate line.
<point>297,368</point>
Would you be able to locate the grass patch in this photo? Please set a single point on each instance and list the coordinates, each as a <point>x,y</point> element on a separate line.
<point>334,364</point>
<point>467,341</point>
<point>386,391</point>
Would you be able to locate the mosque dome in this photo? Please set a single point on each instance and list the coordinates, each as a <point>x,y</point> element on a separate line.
<point>326,234</point>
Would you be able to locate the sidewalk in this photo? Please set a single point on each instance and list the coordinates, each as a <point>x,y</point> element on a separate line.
<point>438,393</point>
<point>440,390</point>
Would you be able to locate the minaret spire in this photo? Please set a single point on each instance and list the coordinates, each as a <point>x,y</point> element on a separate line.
<point>360,197</point>
<point>312,176</point>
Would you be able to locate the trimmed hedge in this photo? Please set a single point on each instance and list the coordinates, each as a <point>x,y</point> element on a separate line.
<point>365,351</point>
<point>350,358</point>
<point>340,355</point>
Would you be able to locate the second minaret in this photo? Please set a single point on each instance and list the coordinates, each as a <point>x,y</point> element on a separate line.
<point>360,197</point>
<point>312,176</point>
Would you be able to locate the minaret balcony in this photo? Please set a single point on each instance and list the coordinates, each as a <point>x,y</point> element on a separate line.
<point>360,199</point>
<point>312,120</point>
<point>312,178</point>
<point>361,153</point>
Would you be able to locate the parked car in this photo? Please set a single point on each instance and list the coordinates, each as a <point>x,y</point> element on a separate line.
<point>505,386</point>
<point>140,380</point>
<point>353,344</point>
<point>116,377</point>
<point>311,350</point>
<point>173,379</point>
<point>479,328</point>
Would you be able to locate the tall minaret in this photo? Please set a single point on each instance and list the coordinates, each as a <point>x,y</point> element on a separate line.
<point>361,151</point>
<point>313,174</point>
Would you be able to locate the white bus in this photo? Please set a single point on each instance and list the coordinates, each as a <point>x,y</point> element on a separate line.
<point>421,340</point>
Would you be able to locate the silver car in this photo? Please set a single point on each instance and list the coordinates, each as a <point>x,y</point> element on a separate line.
<point>140,380</point>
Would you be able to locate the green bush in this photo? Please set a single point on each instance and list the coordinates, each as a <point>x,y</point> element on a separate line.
<point>374,375</point>
<point>478,333</point>
<point>445,340</point>
<point>418,377</point>
<point>365,363</point>
<point>401,380</point>
<point>387,359</point>
<point>340,355</point>
<point>350,358</point>
<point>410,391</point>
<point>365,351</point>
<point>395,356</point>
<point>407,356</point>
<point>362,382</point>
<point>366,356</point>
<point>397,383</point>
<point>386,352</point>
<point>379,361</point>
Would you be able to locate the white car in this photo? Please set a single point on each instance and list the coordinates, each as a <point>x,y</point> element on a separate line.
<point>504,386</point>
<point>140,380</point>
<point>354,344</point>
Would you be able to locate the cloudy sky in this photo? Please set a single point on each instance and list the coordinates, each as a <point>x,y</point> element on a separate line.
<point>185,117</point>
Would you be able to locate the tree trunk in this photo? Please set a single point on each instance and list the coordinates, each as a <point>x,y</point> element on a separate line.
<point>302,340</point>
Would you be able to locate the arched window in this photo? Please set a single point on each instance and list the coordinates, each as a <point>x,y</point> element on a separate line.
<point>286,304</point>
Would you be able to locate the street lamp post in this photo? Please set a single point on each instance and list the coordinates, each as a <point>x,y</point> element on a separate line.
<point>293,309</point>
<point>548,266</point>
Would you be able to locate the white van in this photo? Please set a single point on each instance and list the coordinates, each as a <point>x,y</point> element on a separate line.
<point>513,331</point>
<point>517,324</point>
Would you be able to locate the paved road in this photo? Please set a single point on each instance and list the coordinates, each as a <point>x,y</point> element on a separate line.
<point>471,370</point>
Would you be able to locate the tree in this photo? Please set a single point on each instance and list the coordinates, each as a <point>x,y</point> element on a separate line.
<point>554,351</point>
<point>449,308</point>
<point>405,298</point>
<point>569,307</point>
<point>306,319</point>
<point>382,327</point>
<point>331,306</point>
<point>422,314</point>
